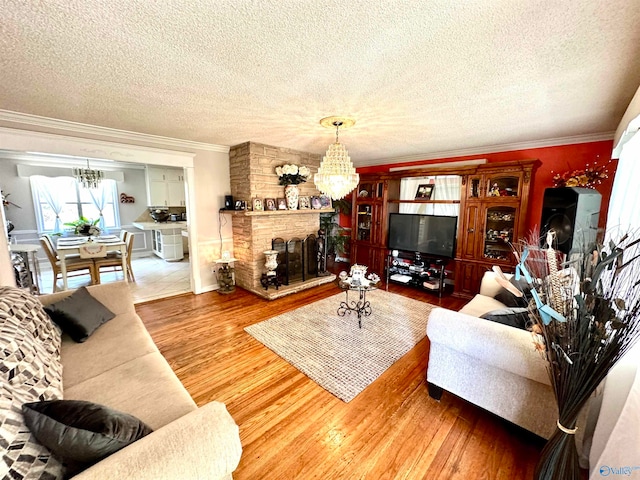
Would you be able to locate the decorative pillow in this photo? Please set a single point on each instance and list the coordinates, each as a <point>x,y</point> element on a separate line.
<point>79,314</point>
<point>509,299</point>
<point>30,370</point>
<point>513,317</point>
<point>82,433</point>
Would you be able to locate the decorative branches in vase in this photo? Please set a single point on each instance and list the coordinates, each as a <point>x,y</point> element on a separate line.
<point>586,313</point>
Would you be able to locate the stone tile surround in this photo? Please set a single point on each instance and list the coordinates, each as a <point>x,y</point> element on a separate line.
<point>252,169</point>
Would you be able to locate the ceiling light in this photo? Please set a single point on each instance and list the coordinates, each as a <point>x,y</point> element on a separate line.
<point>87,177</point>
<point>336,176</point>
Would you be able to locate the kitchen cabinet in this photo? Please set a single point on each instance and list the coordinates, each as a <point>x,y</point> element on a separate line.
<point>166,239</point>
<point>165,187</point>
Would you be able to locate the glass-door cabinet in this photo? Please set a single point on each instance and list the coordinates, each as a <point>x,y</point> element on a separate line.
<point>502,186</point>
<point>499,230</point>
<point>365,221</point>
<point>370,190</point>
<point>496,185</point>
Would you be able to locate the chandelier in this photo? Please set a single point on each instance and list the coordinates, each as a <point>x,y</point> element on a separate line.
<point>336,176</point>
<point>87,177</point>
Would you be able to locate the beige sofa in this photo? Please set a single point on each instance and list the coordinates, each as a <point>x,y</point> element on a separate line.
<point>120,366</point>
<point>489,364</point>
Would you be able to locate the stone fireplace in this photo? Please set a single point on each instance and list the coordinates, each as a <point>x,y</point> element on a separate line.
<point>252,170</point>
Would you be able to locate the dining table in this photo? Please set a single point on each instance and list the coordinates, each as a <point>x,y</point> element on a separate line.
<point>89,247</point>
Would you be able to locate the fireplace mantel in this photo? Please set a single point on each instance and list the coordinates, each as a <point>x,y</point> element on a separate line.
<point>250,213</point>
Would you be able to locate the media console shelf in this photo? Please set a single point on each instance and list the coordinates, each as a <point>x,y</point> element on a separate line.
<point>416,270</point>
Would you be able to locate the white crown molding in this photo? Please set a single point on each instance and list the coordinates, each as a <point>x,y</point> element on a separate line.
<point>53,144</point>
<point>507,147</point>
<point>28,120</point>
<point>58,160</point>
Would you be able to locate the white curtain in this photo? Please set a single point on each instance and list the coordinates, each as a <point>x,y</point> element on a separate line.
<point>616,439</point>
<point>44,187</point>
<point>624,214</point>
<point>446,187</point>
<point>99,197</point>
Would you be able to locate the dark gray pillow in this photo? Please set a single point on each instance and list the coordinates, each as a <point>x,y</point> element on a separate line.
<point>81,433</point>
<point>509,299</point>
<point>513,317</point>
<point>79,314</point>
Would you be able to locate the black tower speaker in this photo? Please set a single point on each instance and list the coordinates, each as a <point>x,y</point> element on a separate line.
<point>573,214</point>
<point>228,202</point>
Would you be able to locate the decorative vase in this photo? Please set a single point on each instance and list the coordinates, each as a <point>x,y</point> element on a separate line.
<point>271,262</point>
<point>292,193</point>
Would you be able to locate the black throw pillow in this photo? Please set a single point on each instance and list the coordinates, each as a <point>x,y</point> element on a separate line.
<point>513,317</point>
<point>81,433</point>
<point>79,314</point>
<point>509,299</point>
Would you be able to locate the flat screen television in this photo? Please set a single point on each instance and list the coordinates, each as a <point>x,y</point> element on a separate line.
<point>427,234</point>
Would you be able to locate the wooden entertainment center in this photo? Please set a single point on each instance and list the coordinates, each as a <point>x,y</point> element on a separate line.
<point>493,199</point>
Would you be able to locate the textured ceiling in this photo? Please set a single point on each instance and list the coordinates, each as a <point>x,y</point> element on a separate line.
<point>419,77</point>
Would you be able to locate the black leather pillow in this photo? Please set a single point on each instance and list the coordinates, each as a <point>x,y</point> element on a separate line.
<point>81,433</point>
<point>513,317</point>
<point>79,314</point>
<point>509,299</point>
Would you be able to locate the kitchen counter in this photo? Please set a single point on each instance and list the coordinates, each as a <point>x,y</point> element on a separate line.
<point>160,225</point>
<point>166,239</point>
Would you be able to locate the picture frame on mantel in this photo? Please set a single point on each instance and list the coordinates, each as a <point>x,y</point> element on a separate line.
<point>304,203</point>
<point>269,204</point>
<point>316,204</point>
<point>282,203</point>
<point>257,205</point>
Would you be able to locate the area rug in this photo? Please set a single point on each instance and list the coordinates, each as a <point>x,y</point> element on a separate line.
<point>333,351</point>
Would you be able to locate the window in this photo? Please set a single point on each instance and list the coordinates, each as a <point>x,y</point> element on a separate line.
<point>58,200</point>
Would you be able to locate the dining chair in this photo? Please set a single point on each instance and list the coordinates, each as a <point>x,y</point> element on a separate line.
<point>114,261</point>
<point>74,265</point>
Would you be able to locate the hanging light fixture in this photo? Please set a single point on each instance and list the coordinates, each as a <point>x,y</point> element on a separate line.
<point>87,177</point>
<point>336,176</point>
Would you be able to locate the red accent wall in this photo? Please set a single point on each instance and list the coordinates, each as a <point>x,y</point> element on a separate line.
<point>552,160</point>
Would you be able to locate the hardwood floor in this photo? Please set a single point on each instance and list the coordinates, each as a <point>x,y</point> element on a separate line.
<point>291,428</point>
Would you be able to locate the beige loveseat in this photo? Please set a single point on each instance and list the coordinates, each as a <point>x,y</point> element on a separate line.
<point>120,366</point>
<point>491,365</point>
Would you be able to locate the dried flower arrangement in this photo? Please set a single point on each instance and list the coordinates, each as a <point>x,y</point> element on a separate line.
<point>586,314</point>
<point>588,177</point>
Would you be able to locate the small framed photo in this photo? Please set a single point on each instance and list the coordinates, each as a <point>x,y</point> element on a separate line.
<point>316,204</point>
<point>269,204</point>
<point>282,204</point>
<point>257,205</point>
<point>425,191</point>
<point>325,201</point>
<point>304,203</point>
<point>240,205</point>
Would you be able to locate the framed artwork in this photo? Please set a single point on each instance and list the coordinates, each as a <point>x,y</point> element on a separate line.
<point>269,204</point>
<point>240,205</point>
<point>325,201</point>
<point>282,204</point>
<point>315,203</point>
<point>304,203</point>
<point>257,205</point>
<point>425,191</point>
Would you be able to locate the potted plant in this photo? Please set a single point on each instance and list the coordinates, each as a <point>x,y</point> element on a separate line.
<point>338,237</point>
<point>84,226</point>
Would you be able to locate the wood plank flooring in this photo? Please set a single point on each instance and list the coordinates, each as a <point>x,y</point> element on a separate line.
<point>291,428</point>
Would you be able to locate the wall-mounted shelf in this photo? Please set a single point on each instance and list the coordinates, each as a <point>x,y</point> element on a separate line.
<point>250,213</point>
